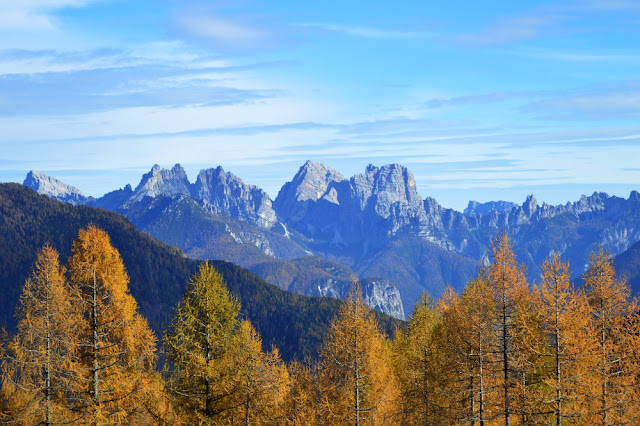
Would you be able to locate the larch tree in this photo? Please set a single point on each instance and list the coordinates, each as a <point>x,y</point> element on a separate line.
<point>37,360</point>
<point>357,384</point>
<point>263,381</point>
<point>419,361</point>
<point>469,340</point>
<point>506,278</point>
<point>203,346</point>
<point>615,379</point>
<point>565,327</point>
<point>117,347</point>
<point>301,404</point>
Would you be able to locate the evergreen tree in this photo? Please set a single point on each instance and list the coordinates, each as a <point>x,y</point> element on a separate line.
<point>115,372</point>
<point>37,360</point>
<point>357,384</point>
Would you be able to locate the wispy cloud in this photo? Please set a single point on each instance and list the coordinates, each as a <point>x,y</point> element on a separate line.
<point>604,104</point>
<point>33,14</point>
<point>368,32</point>
<point>578,55</point>
<point>486,98</point>
<point>223,31</point>
<point>513,29</point>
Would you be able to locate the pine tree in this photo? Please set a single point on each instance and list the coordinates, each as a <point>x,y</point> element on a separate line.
<point>37,360</point>
<point>615,379</point>
<point>357,384</point>
<point>117,347</point>
<point>203,347</point>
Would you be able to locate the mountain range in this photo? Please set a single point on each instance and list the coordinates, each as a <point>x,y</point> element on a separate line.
<point>323,230</point>
<point>158,272</point>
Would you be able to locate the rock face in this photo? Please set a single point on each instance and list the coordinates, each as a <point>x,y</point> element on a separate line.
<point>162,182</point>
<point>360,212</point>
<point>54,188</point>
<point>225,193</point>
<point>374,223</point>
<point>475,209</point>
<point>381,294</point>
<point>308,185</point>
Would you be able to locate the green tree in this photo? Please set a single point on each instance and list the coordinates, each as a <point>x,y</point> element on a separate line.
<point>203,346</point>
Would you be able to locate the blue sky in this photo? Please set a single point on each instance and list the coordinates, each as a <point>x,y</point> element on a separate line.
<point>481,100</point>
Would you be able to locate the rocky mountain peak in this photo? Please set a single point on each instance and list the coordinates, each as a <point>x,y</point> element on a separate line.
<point>310,183</point>
<point>530,206</point>
<point>54,188</point>
<point>162,182</point>
<point>226,193</point>
<point>385,187</point>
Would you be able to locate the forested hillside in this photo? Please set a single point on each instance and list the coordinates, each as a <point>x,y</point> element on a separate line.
<point>159,273</point>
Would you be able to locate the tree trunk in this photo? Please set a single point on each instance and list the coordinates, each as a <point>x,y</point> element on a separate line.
<point>95,342</point>
<point>505,365</point>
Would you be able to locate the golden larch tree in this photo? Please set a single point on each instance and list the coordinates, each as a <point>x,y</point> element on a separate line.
<point>420,366</point>
<point>263,381</point>
<point>506,278</point>
<point>565,327</point>
<point>301,404</point>
<point>357,384</point>
<point>615,380</point>
<point>37,360</point>
<point>469,340</point>
<point>117,347</point>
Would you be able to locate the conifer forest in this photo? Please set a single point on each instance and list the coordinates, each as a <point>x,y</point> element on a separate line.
<point>502,351</point>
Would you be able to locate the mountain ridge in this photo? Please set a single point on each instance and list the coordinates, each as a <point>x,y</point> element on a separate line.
<point>354,220</point>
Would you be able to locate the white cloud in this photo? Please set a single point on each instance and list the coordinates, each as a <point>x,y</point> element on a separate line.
<point>368,32</point>
<point>33,14</point>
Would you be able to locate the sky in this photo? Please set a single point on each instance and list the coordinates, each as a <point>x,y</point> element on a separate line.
<point>480,100</point>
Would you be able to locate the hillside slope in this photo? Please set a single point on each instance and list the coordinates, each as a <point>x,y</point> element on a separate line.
<point>158,272</point>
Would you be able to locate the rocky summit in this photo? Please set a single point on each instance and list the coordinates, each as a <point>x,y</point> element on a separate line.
<point>54,188</point>
<point>225,193</point>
